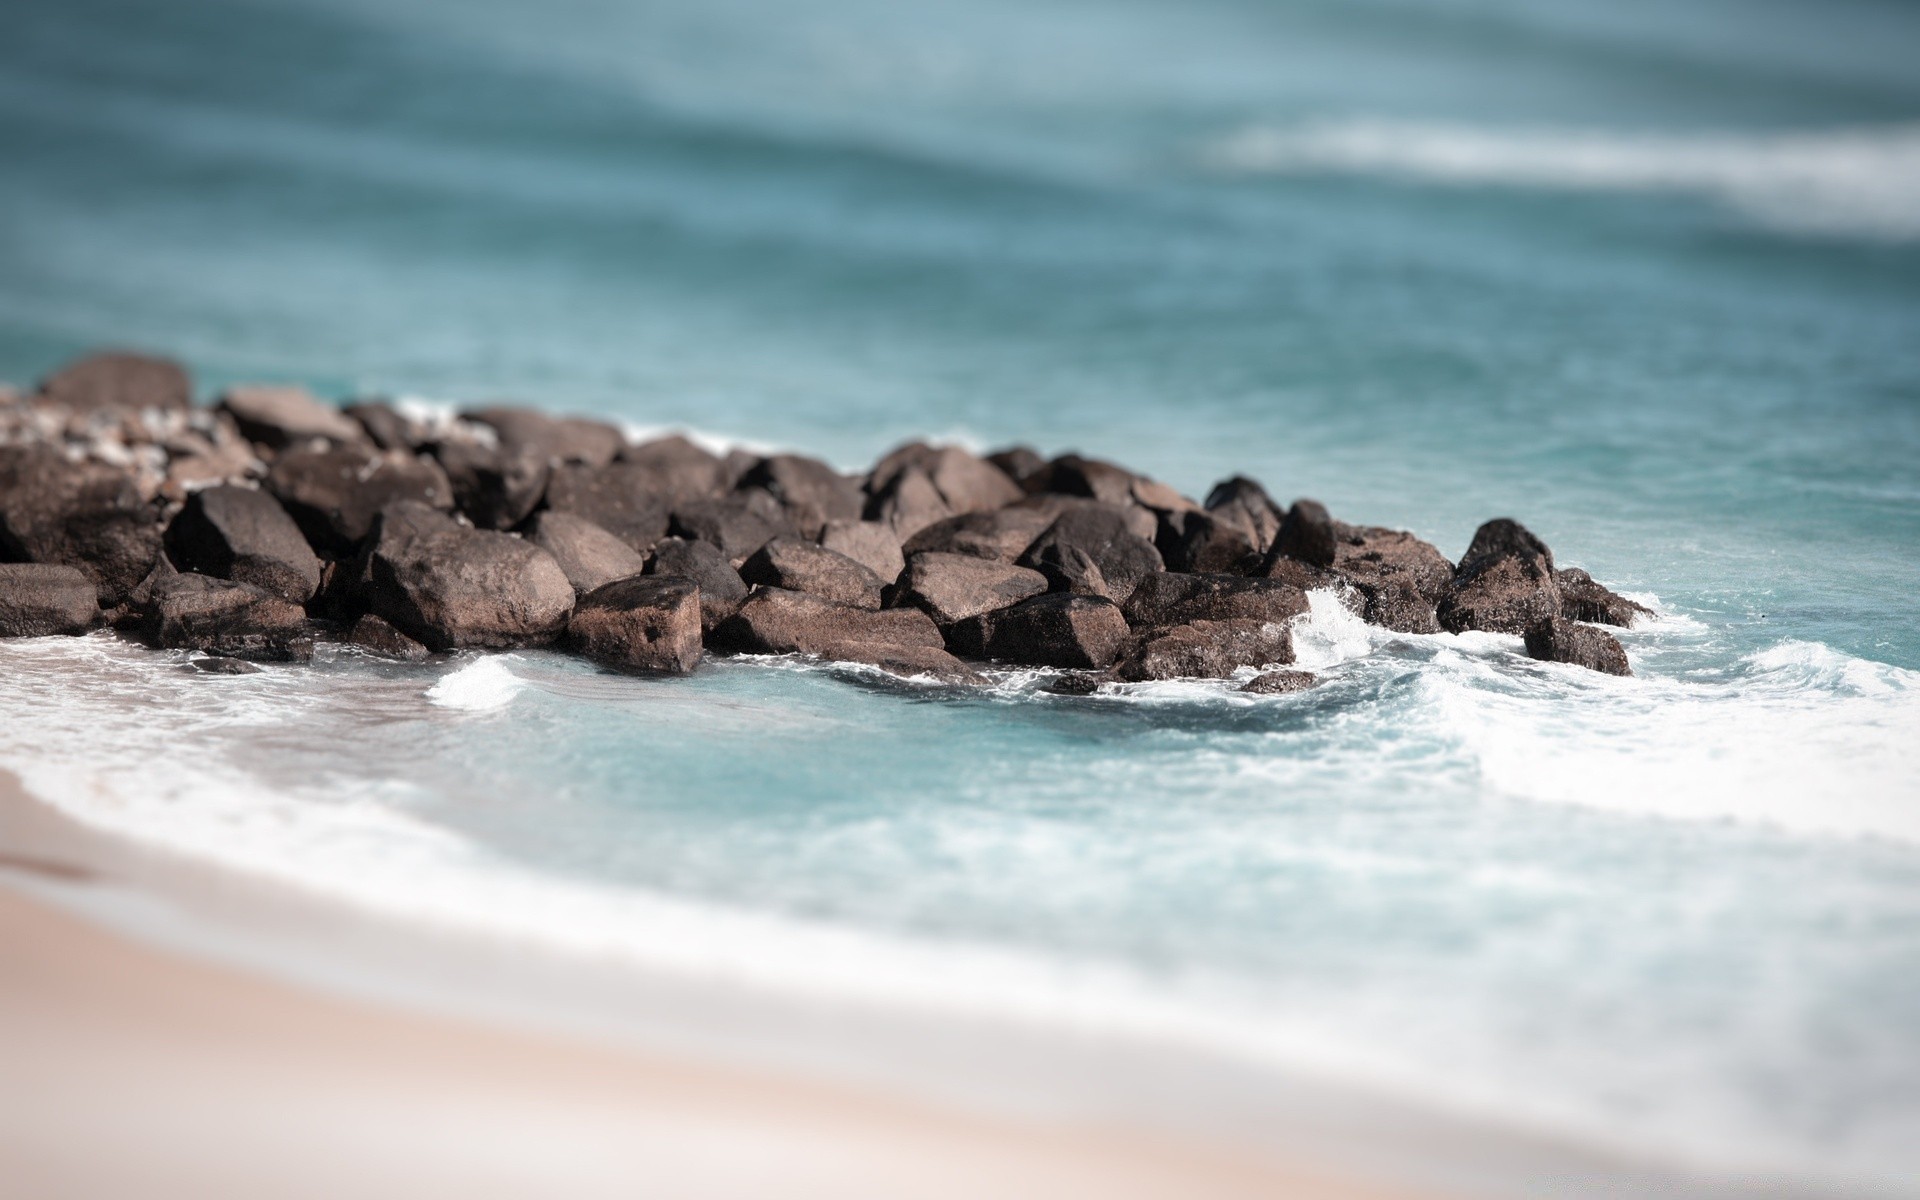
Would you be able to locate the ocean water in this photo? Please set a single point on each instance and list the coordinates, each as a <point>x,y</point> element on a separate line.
<point>1645,276</point>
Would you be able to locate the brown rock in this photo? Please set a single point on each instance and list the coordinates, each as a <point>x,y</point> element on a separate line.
<point>1582,599</point>
<point>682,471</point>
<point>953,587</point>
<point>649,623</point>
<point>909,503</point>
<point>622,498</point>
<point>1504,584</point>
<point>1206,650</point>
<point>335,494</point>
<point>1171,598</point>
<point>1202,542</point>
<point>379,636</point>
<point>811,492</point>
<point>448,586</point>
<point>737,524</point>
<point>1070,569</point>
<point>1561,641</point>
<point>1102,534</point>
<point>242,534</point>
<point>908,662</point>
<point>1003,535</point>
<point>221,665</point>
<point>495,486</point>
<point>869,543</point>
<point>1074,475</point>
<point>1279,683</point>
<point>1307,534</point>
<point>280,416</point>
<point>1020,463</point>
<point>188,611</point>
<point>119,380</point>
<point>556,439</point>
<point>721,589</point>
<point>777,621</point>
<point>802,566</point>
<point>1401,579</point>
<point>1055,630</point>
<point>385,426</point>
<point>85,515</point>
<point>45,600</point>
<point>588,555</point>
<point>1244,504</point>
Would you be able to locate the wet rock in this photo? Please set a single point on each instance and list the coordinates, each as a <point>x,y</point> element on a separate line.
<point>1245,505</point>
<point>682,472</point>
<point>1054,630</point>
<point>119,380</point>
<point>869,543</point>
<point>1171,598</point>
<point>378,635</point>
<point>1504,584</point>
<point>953,587</point>
<point>909,662</point>
<point>802,566</point>
<point>1102,534</point>
<point>621,498</point>
<point>649,623</point>
<point>46,600</point>
<point>243,534</point>
<point>219,665</point>
<point>1206,650</point>
<point>189,611</point>
<point>1306,534</point>
<point>85,515</point>
<point>811,492</point>
<point>737,524</point>
<point>335,494</point>
<point>1070,569</point>
<point>448,586</point>
<point>1204,543</point>
<point>1400,578</point>
<point>588,555</point>
<point>777,621</point>
<point>1582,599</point>
<point>1072,685</point>
<point>495,486</point>
<point>1279,683</point>
<point>1556,640</point>
<point>278,416</point>
<point>721,588</point>
<point>555,439</point>
<point>1019,463</point>
<point>1003,535</point>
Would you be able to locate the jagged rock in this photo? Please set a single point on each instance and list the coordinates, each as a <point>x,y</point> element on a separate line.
<point>448,586</point>
<point>721,588</point>
<point>869,543</point>
<point>802,566</point>
<point>909,504</point>
<point>242,534</point>
<point>45,600</point>
<point>1555,640</point>
<point>119,380</point>
<point>1020,463</point>
<point>278,417</point>
<point>190,611</point>
<point>909,662</point>
<point>378,635</point>
<point>777,621</point>
<point>495,486</point>
<point>953,587</point>
<point>1055,630</point>
<point>621,498</point>
<point>1279,683</point>
<point>1400,578</point>
<point>1206,650</point>
<point>588,555</point>
<point>1003,535</point>
<point>221,665</point>
<point>1068,568</point>
<point>1202,542</point>
<point>1504,584</point>
<point>1307,534</point>
<point>737,524</point>
<point>1171,598</point>
<point>1582,599</point>
<point>1102,534</point>
<point>811,492</point>
<point>556,439</point>
<point>647,623</point>
<point>335,494</point>
<point>682,472</point>
<point>1244,504</point>
<point>385,426</point>
<point>85,515</point>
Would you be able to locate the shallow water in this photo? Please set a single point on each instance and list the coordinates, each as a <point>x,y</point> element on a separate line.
<point>1647,278</point>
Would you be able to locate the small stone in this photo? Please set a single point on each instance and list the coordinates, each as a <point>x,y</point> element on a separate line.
<point>1002,536</point>
<point>1582,599</point>
<point>682,472</point>
<point>220,665</point>
<point>1504,584</point>
<point>622,498</point>
<point>777,621</point>
<point>1103,535</point>
<point>1072,685</point>
<point>335,494</point>
<point>1243,503</point>
<point>1279,683</point>
<point>650,623</point>
<point>448,586</point>
<point>737,524</point>
<point>811,492</point>
<point>554,439</point>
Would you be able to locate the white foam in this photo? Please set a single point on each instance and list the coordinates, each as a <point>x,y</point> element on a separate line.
<point>1860,181</point>
<point>483,685</point>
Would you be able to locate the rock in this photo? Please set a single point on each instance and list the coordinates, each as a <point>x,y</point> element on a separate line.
<point>1504,584</point>
<point>811,492</point>
<point>1279,683</point>
<point>648,623</point>
<point>909,504</point>
<point>1556,640</point>
<point>737,524</point>
<point>1074,475</point>
<point>1244,504</point>
<point>682,472</point>
<point>777,621</point>
<point>495,486</point>
<point>953,587</point>
<point>1072,685</point>
<point>1171,598</point>
<point>1307,534</point>
<point>85,515</point>
<point>869,543</point>
<point>1581,599</point>
<point>1400,578</point>
<point>1123,557</point>
<point>1019,463</point>
<point>189,611</point>
<point>621,498</point>
<point>1070,569</point>
<point>278,417</point>
<point>909,662</point>
<point>1055,630</point>
<point>1201,542</point>
<point>1206,650</point>
<point>802,566</point>
<point>45,600</point>
<point>721,588</point>
<point>1161,499</point>
<point>221,665</point>
<point>335,494</point>
<point>963,482</point>
<point>119,380</point>
<point>242,534</point>
<point>1003,536</point>
<point>588,555</point>
<point>386,427</point>
<point>379,636</point>
<point>555,439</point>
<point>448,586</point>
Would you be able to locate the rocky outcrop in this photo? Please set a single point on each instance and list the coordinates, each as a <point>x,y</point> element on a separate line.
<point>777,621</point>
<point>189,611</point>
<point>448,586</point>
<point>335,494</point>
<point>278,416</point>
<point>1556,640</point>
<point>1170,598</point>
<point>588,555</point>
<point>1400,578</point>
<point>243,534</point>
<point>1279,683</point>
<point>46,600</point>
<point>1504,584</point>
<point>1102,534</point>
<point>1055,630</point>
<point>802,566</point>
<point>495,487</point>
<point>721,589</point>
<point>85,515</point>
<point>1581,599</point>
<point>869,543</point>
<point>119,380</point>
<point>650,623</point>
<point>1206,650</point>
<point>377,635</point>
<point>953,587</point>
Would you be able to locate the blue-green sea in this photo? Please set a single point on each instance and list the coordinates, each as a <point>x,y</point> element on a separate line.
<point>1645,276</point>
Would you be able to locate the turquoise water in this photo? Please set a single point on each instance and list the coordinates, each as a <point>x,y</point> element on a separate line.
<point>1646,276</point>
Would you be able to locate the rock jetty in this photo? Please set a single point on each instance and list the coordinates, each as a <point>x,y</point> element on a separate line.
<point>253,528</point>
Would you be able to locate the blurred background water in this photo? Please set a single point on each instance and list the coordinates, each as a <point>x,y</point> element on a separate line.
<point>1644,275</point>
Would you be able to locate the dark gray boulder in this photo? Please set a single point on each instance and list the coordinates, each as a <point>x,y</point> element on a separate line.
<point>1504,584</point>
<point>1206,650</point>
<point>45,600</point>
<point>555,439</point>
<point>802,566</point>
<point>737,524</point>
<point>588,555</point>
<point>1244,504</point>
<point>495,486</point>
<point>277,416</point>
<point>1307,534</point>
<point>622,498</point>
<point>119,380</point>
<point>1054,630</point>
<point>1582,599</point>
<point>189,611</point>
<point>243,534</point>
<point>85,515</point>
<point>1401,579</point>
<point>334,494</point>
<point>1003,535</point>
<point>953,587</point>
<point>811,492</point>
<point>777,621</point>
<point>1279,683</point>
<point>1562,641</point>
<point>448,586</point>
<point>650,623</point>
<point>1103,535</point>
<point>376,634</point>
<point>869,543</point>
<point>1171,598</point>
<point>721,589</point>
